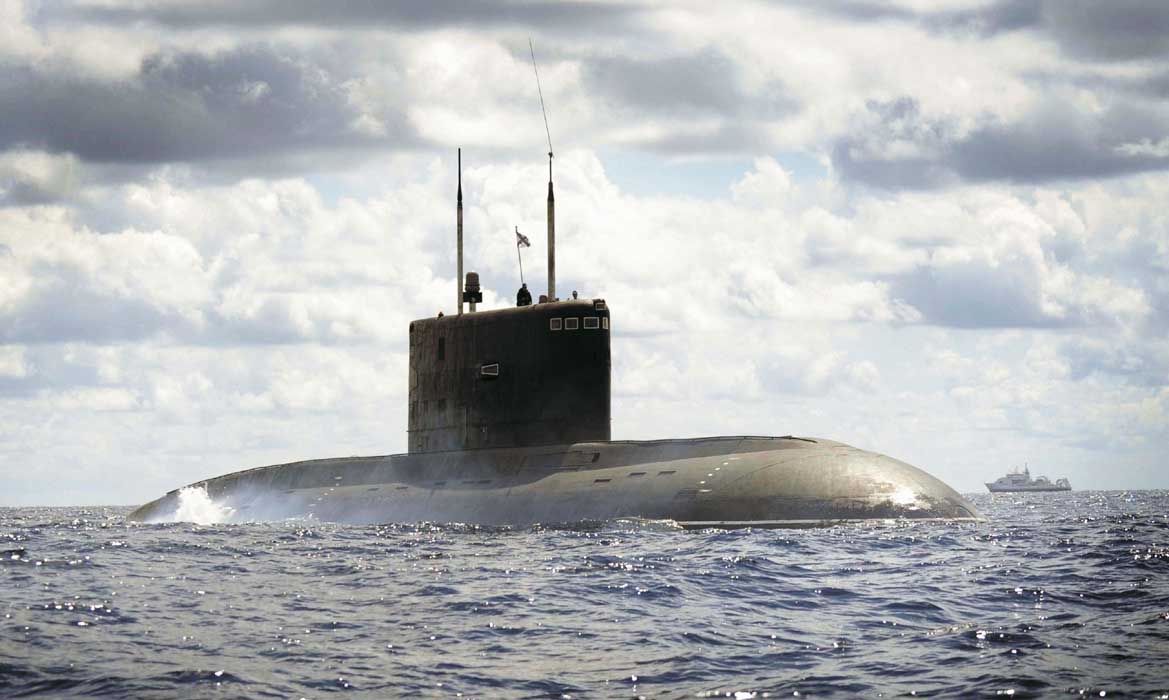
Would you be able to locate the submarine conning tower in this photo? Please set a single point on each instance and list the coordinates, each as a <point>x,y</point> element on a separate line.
<point>514,377</point>
<point>519,377</point>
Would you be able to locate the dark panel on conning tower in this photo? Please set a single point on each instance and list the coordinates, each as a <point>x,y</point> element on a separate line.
<point>531,375</point>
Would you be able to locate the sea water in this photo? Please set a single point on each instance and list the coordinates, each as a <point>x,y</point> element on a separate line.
<point>1056,594</point>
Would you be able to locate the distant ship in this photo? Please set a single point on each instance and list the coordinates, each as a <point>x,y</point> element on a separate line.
<point>509,424</point>
<point>1019,480</point>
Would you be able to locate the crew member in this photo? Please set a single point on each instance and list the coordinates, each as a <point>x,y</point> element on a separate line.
<point>523,297</point>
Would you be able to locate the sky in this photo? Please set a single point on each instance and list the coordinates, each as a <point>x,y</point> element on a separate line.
<point>936,230</point>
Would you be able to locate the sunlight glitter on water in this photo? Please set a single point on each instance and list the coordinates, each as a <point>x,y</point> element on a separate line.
<point>1052,595</point>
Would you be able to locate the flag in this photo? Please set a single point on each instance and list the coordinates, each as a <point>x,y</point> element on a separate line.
<point>521,239</point>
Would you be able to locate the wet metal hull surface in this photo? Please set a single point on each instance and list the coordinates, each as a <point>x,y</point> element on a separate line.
<point>702,482</point>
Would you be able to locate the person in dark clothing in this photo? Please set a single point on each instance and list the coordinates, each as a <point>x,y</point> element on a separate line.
<point>523,297</point>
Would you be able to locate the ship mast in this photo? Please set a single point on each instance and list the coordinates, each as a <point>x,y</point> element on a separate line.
<point>551,235</point>
<point>459,228</point>
<point>551,198</point>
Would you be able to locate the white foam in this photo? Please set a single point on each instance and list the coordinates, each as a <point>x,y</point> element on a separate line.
<point>195,506</point>
<point>905,496</point>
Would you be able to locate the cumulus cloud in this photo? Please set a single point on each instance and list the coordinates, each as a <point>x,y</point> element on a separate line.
<point>900,149</point>
<point>1144,364</point>
<point>274,99</point>
<point>74,285</point>
<point>1016,285</point>
<point>249,307</point>
<point>692,102</point>
<point>34,177</point>
<point>1130,29</point>
<point>255,263</point>
<point>12,363</point>
<point>1123,30</point>
<point>184,106</point>
<point>361,14</point>
<point>703,81</point>
<point>1055,141</point>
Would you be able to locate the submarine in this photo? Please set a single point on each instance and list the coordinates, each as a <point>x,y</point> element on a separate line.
<point>509,425</point>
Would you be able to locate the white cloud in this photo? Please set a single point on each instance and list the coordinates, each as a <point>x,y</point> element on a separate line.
<point>100,53</point>
<point>12,361</point>
<point>727,316</point>
<point>33,177</point>
<point>765,186</point>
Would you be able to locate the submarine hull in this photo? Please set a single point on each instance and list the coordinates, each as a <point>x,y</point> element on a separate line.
<point>728,482</point>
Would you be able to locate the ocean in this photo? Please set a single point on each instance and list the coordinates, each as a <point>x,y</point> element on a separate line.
<point>1054,595</point>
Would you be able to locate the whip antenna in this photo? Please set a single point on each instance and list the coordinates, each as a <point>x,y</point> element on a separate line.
<point>547,131</point>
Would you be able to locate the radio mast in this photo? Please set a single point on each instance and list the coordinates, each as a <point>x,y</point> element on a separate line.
<point>551,198</point>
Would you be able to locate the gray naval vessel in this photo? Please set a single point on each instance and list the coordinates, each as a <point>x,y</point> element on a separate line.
<point>509,425</point>
<point>1019,481</point>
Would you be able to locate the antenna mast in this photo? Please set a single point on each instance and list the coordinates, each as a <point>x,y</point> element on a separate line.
<point>551,199</point>
<point>459,228</point>
<point>519,243</point>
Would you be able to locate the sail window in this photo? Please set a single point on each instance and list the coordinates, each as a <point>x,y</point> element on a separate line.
<point>555,324</point>
<point>592,322</point>
<point>605,323</point>
<point>490,371</point>
<point>633,474</point>
<point>441,348</point>
<point>571,324</point>
<point>600,305</point>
